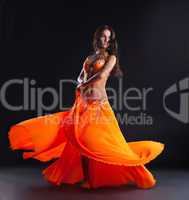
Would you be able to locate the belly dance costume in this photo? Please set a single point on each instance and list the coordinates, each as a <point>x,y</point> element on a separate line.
<point>89,129</point>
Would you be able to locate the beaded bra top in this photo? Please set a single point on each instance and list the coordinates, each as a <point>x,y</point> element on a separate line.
<point>95,66</point>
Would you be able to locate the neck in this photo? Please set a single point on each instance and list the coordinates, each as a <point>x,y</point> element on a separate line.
<point>101,50</point>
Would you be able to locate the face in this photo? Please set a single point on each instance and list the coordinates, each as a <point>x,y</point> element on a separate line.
<point>105,38</point>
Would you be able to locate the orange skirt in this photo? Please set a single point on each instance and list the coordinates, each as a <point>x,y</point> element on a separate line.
<point>90,129</point>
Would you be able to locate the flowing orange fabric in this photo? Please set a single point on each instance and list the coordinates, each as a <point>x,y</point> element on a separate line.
<point>88,128</point>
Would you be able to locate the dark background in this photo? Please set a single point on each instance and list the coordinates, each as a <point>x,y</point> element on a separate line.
<point>48,41</point>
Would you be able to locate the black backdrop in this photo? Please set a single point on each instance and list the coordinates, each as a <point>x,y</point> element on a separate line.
<point>48,41</point>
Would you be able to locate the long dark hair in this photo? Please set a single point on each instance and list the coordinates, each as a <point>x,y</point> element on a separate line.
<point>112,48</point>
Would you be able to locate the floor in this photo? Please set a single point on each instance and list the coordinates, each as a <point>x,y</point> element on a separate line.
<point>26,183</point>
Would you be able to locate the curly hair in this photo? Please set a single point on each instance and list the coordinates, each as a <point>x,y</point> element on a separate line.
<point>111,49</point>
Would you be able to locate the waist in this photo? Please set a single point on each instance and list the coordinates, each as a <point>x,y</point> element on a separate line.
<point>92,98</point>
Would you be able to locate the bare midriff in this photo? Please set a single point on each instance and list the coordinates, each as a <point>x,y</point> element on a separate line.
<point>94,91</point>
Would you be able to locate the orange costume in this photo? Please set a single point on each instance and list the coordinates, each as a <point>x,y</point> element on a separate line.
<point>89,129</point>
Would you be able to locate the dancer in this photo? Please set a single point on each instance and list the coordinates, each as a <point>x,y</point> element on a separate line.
<point>85,140</point>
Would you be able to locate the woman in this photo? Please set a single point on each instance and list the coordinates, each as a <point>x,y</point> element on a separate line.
<point>86,140</point>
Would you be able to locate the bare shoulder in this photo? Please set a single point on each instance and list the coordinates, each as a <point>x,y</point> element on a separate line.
<point>87,64</point>
<point>89,59</point>
<point>112,58</point>
<point>111,61</point>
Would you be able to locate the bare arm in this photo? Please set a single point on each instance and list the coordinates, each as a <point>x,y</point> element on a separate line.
<point>108,66</point>
<point>103,73</point>
<point>80,78</point>
<point>86,69</point>
<point>92,79</point>
<point>83,74</point>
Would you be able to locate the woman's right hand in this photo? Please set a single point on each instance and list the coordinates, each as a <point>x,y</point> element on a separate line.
<point>79,85</point>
